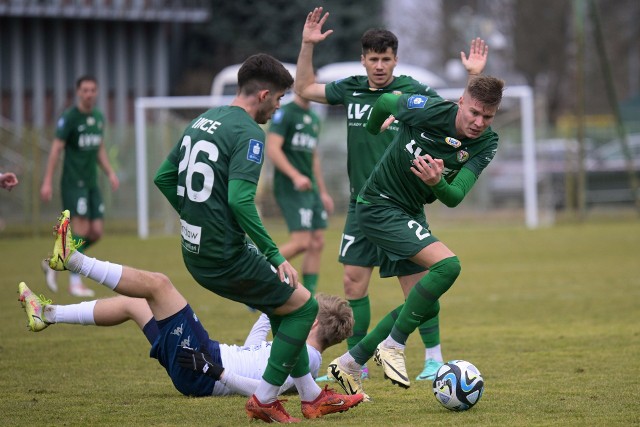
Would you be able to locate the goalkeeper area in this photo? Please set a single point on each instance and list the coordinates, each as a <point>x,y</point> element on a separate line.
<point>160,121</point>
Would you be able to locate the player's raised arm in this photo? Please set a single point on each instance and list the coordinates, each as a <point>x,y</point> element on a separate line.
<point>477,59</point>
<point>305,81</point>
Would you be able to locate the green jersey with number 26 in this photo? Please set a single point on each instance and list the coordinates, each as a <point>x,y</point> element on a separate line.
<point>222,144</point>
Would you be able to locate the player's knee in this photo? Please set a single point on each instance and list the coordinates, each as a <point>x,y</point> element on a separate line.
<point>354,287</point>
<point>450,268</point>
<point>161,281</point>
<point>317,243</point>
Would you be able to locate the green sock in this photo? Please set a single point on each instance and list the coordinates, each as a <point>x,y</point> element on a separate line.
<point>430,332</point>
<point>364,350</point>
<point>288,351</point>
<point>422,302</point>
<point>275,324</point>
<point>362,319</point>
<point>310,281</point>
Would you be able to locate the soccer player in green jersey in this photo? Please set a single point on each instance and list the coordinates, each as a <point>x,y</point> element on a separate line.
<point>298,184</point>
<point>358,94</point>
<point>440,151</point>
<point>210,178</point>
<point>79,135</point>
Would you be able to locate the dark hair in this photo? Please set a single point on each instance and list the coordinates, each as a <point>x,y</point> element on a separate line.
<point>379,40</point>
<point>262,71</point>
<point>85,78</point>
<point>486,89</point>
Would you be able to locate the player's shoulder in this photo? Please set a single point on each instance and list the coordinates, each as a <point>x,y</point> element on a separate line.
<point>352,82</point>
<point>408,84</point>
<point>70,112</point>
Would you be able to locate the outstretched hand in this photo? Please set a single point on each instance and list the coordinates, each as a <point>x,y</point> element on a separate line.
<point>477,60</point>
<point>312,31</point>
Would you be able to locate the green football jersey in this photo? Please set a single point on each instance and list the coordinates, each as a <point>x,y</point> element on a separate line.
<point>82,134</point>
<point>363,149</point>
<point>300,129</point>
<point>220,145</point>
<point>427,126</point>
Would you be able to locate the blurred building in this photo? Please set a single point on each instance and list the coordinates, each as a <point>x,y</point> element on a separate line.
<point>45,45</point>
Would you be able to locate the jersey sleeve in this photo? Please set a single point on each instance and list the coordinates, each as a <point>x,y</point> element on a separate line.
<point>480,161</point>
<point>386,105</point>
<point>247,157</point>
<point>63,127</point>
<point>166,180</point>
<point>452,194</point>
<point>279,123</point>
<point>242,203</point>
<point>259,331</point>
<point>334,92</point>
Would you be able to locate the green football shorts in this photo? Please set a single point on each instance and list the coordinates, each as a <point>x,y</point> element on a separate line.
<point>83,202</point>
<point>250,280</point>
<point>398,236</point>
<point>355,248</point>
<point>302,210</point>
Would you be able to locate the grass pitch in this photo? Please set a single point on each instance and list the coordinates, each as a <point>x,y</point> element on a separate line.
<point>550,317</point>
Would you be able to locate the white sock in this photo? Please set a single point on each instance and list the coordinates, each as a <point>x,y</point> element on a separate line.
<point>80,314</point>
<point>266,393</point>
<point>307,388</point>
<point>74,279</point>
<point>391,343</point>
<point>434,353</point>
<point>239,384</point>
<point>102,272</point>
<point>349,363</point>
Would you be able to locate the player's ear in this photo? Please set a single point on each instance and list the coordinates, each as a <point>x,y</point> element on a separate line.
<point>263,94</point>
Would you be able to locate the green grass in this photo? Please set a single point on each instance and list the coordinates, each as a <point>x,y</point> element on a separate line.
<point>550,317</point>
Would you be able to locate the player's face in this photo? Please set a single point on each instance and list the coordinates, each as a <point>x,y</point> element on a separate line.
<point>87,94</point>
<point>269,103</point>
<point>379,67</point>
<point>473,117</point>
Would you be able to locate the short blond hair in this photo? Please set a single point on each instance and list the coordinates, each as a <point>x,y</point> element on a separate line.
<point>335,319</point>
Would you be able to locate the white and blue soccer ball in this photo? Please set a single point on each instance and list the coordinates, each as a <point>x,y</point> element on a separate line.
<point>458,385</point>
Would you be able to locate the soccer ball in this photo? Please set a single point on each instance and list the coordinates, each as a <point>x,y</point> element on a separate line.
<point>458,385</point>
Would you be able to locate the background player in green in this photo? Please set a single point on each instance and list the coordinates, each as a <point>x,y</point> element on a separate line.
<point>440,151</point>
<point>358,94</point>
<point>298,184</point>
<point>79,134</point>
<point>210,178</point>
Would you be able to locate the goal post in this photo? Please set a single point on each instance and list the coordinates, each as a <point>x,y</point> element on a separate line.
<point>144,105</point>
<point>527,128</point>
